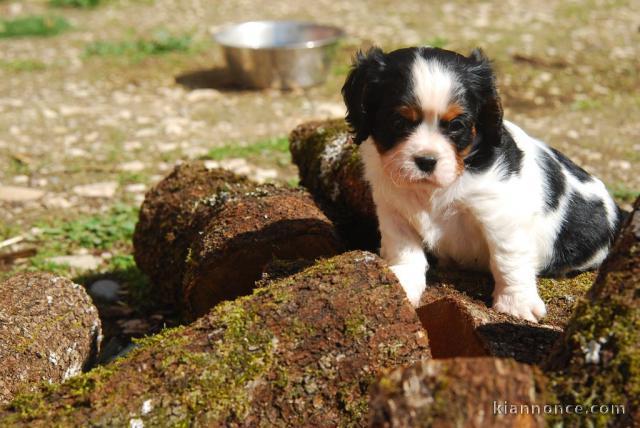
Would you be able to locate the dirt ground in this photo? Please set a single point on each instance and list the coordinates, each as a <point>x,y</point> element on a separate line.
<point>568,74</point>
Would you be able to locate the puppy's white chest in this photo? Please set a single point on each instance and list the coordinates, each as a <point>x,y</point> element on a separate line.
<point>454,236</point>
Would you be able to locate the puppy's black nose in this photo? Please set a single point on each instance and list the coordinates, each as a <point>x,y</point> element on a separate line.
<point>426,163</point>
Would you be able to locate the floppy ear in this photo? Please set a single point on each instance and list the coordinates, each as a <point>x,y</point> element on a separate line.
<point>483,84</point>
<point>365,72</point>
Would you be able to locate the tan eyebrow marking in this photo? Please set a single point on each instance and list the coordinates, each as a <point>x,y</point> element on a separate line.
<point>453,111</point>
<point>410,113</point>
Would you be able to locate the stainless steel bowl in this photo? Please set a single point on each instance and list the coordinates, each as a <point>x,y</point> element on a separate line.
<point>279,54</point>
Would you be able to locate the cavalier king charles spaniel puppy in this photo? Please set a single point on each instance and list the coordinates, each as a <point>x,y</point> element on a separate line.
<point>450,176</point>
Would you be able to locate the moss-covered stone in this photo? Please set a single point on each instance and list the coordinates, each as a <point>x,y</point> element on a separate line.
<point>293,353</point>
<point>598,361</point>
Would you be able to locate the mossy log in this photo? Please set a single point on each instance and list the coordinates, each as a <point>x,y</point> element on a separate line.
<point>205,235</point>
<point>49,331</point>
<point>301,352</point>
<point>329,166</point>
<point>247,233</point>
<point>459,392</point>
<point>598,362</point>
<point>173,213</point>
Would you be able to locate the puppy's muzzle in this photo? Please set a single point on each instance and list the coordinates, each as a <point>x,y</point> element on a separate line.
<point>425,164</point>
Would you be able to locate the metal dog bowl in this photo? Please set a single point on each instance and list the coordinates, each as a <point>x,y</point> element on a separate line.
<point>279,54</point>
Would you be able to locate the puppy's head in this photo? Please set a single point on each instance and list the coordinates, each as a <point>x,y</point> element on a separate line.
<point>427,110</point>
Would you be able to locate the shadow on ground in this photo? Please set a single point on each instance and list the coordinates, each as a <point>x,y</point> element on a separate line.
<point>217,78</point>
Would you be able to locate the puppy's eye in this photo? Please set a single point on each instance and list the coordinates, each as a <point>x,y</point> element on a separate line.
<point>454,126</point>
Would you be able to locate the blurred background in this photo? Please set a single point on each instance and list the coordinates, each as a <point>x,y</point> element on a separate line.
<point>100,98</point>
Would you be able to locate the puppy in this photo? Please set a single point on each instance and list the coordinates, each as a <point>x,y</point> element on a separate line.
<point>450,175</point>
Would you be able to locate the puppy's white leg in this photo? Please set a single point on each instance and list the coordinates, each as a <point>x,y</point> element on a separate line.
<point>513,265</point>
<point>402,249</point>
<point>515,289</point>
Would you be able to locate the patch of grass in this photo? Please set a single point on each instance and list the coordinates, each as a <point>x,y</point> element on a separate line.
<point>437,42</point>
<point>81,4</point>
<point>97,231</point>
<point>341,69</point>
<point>586,104</point>
<point>262,149</point>
<point>20,65</point>
<point>33,26</point>
<point>623,193</point>
<point>162,42</point>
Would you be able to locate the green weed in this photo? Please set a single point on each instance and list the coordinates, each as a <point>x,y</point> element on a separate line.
<point>20,65</point>
<point>262,149</point>
<point>586,104</point>
<point>437,42</point>
<point>623,193</point>
<point>160,43</point>
<point>34,26</point>
<point>97,231</point>
<point>81,4</point>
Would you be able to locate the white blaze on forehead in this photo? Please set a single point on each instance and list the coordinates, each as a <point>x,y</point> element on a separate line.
<point>433,85</point>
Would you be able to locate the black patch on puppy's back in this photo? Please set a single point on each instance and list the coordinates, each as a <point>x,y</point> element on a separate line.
<point>485,154</point>
<point>573,169</point>
<point>554,180</point>
<point>584,231</point>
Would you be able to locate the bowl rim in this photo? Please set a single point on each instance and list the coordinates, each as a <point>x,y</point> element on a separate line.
<point>339,33</point>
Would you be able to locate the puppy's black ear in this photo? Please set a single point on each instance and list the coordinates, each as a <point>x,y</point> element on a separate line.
<point>365,73</point>
<point>483,85</point>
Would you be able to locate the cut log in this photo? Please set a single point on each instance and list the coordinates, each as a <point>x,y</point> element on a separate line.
<point>49,331</point>
<point>458,326</point>
<point>300,352</point>
<point>329,166</point>
<point>173,213</point>
<point>245,235</point>
<point>598,361</point>
<point>460,392</point>
<point>206,235</point>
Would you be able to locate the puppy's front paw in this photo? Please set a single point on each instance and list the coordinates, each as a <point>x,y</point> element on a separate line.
<point>522,304</point>
<point>413,281</point>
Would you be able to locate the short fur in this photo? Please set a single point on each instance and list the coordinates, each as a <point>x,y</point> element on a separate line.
<point>450,175</point>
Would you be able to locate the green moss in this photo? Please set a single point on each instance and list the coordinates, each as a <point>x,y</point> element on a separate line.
<point>356,326</point>
<point>613,329</point>
<point>576,286</point>
<point>241,355</point>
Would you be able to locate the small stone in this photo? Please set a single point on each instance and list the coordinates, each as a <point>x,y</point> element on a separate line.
<point>166,147</point>
<point>19,194</point>
<point>202,95</point>
<point>133,166</point>
<point>21,179</point>
<point>136,188</point>
<point>57,201</point>
<point>573,134</point>
<point>237,165</point>
<point>81,261</point>
<point>105,290</point>
<point>261,175</point>
<point>105,189</point>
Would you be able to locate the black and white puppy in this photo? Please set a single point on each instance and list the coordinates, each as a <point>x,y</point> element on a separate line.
<point>450,175</point>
